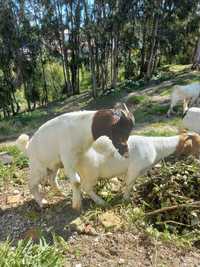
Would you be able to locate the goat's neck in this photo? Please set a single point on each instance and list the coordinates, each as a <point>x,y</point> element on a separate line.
<point>165,146</point>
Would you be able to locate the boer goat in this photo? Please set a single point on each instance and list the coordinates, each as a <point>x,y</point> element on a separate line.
<point>187,94</point>
<point>60,142</point>
<point>102,161</point>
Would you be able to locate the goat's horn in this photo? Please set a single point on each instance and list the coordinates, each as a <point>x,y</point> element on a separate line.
<point>125,106</point>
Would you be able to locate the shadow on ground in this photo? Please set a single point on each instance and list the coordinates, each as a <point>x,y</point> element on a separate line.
<point>29,221</point>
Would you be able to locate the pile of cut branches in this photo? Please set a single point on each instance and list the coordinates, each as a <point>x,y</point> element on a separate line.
<point>170,195</point>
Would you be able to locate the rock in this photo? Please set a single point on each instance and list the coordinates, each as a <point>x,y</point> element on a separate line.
<point>14,199</point>
<point>6,158</point>
<point>89,230</point>
<point>110,221</point>
<point>79,226</point>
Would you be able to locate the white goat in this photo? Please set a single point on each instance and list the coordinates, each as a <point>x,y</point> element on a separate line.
<point>61,141</point>
<point>102,161</point>
<point>191,120</point>
<point>187,94</point>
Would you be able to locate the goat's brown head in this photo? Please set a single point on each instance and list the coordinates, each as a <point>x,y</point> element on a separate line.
<point>115,123</point>
<point>189,144</point>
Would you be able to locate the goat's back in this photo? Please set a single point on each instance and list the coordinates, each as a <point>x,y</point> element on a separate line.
<point>191,120</point>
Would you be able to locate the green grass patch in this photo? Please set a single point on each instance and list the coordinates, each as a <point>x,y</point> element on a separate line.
<point>29,254</point>
<point>158,132</point>
<point>23,122</point>
<point>148,110</point>
<point>138,99</point>
<point>13,173</point>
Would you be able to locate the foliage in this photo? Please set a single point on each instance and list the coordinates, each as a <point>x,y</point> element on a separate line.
<point>54,48</point>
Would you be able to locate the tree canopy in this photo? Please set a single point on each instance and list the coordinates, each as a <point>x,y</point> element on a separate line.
<point>50,48</point>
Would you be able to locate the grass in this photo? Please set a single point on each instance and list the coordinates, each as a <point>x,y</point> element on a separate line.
<point>13,173</point>
<point>25,122</point>
<point>29,254</point>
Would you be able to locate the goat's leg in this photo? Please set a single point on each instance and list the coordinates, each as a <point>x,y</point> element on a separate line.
<point>35,178</point>
<point>185,105</point>
<point>174,100</point>
<point>171,110</point>
<point>53,180</point>
<point>193,100</point>
<point>76,196</point>
<point>130,180</point>
<point>97,199</point>
<point>69,169</point>
<point>90,191</point>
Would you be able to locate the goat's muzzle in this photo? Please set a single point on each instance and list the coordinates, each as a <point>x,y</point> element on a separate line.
<point>122,148</point>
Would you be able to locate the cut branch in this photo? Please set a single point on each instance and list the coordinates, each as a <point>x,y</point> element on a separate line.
<point>195,204</point>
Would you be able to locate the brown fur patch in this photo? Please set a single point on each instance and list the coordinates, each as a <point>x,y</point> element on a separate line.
<point>189,144</point>
<point>116,125</point>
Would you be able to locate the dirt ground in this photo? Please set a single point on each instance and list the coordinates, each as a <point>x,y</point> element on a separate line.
<point>20,218</point>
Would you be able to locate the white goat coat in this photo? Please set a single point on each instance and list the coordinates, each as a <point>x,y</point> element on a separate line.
<point>59,138</point>
<point>187,91</point>
<point>191,120</point>
<point>184,93</point>
<point>144,152</point>
<point>57,143</point>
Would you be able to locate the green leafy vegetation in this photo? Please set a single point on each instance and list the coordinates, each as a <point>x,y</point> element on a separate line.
<point>44,59</point>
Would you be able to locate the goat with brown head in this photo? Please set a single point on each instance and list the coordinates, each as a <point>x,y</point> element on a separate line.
<point>189,144</point>
<point>115,123</point>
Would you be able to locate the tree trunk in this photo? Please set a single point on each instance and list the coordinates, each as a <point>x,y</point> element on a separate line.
<point>91,52</point>
<point>196,57</point>
<point>153,49</point>
<point>143,50</point>
<point>115,62</point>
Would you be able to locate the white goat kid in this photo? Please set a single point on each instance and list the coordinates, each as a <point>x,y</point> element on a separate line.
<point>61,141</point>
<point>187,94</point>
<point>191,120</point>
<point>102,161</point>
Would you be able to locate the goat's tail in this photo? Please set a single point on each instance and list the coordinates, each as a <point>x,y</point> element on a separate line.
<point>22,142</point>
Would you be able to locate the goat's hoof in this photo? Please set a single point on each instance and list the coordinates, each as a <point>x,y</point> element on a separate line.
<point>76,207</point>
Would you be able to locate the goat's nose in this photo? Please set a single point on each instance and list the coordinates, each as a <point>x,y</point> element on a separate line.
<point>126,155</point>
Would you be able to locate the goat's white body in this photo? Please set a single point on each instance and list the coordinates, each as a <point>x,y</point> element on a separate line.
<point>58,143</point>
<point>144,152</point>
<point>59,138</point>
<point>184,93</point>
<point>191,120</point>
